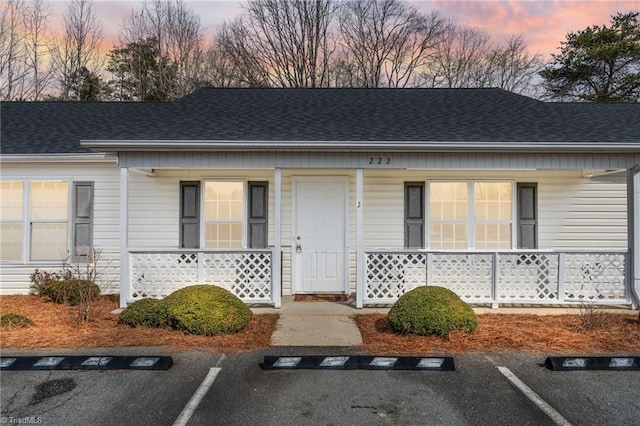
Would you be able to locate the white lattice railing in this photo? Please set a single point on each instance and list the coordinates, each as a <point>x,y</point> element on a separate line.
<point>158,273</point>
<point>530,277</point>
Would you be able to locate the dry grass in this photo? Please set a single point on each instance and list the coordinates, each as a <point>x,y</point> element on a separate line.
<point>506,332</point>
<point>56,327</point>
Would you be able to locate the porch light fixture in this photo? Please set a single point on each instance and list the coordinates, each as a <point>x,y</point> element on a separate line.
<point>620,363</point>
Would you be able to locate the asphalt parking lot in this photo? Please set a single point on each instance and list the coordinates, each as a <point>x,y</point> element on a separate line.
<point>241,393</point>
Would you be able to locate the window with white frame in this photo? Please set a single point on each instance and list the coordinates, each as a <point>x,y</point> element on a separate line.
<point>49,216</point>
<point>38,223</point>
<point>464,215</point>
<point>224,213</point>
<point>11,221</point>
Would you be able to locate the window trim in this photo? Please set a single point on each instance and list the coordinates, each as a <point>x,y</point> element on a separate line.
<point>245,213</point>
<point>26,220</point>
<point>470,221</point>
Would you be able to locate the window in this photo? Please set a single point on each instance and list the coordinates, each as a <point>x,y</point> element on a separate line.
<point>48,220</point>
<point>223,214</point>
<point>466,215</point>
<point>234,214</point>
<point>37,216</point>
<point>11,216</point>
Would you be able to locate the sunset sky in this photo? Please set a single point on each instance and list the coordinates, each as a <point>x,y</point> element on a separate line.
<point>544,24</point>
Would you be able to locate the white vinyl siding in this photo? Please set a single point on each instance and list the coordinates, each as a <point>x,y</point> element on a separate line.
<point>574,212</point>
<point>106,228</point>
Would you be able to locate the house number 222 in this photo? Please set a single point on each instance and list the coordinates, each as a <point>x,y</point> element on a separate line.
<point>380,160</point>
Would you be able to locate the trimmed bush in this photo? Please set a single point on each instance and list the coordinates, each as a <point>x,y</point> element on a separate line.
<point>15,321</point>
<point>431,310</point>
<point>146,313</point>
<point>72,291</point>
<point>207,310</point>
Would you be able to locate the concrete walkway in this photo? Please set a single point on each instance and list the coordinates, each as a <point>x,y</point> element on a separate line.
<point>318,323</point>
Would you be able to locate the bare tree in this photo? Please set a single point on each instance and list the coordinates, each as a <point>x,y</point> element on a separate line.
<point>460,60</point>
<point>513,68</point>
<point>388,41</point>
<point>13,70</point>
<point>218,69</point>
<point>180,38</point>
<point>37,48</point>
<point>281,43</point>
<point>79,47</point>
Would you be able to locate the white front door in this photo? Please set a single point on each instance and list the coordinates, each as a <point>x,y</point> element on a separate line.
<point>319,234</point>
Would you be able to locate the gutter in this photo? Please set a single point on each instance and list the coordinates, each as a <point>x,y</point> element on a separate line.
<point>59,158</point>
<point>356,146</point>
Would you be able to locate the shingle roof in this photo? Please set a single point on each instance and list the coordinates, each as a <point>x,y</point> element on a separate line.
<point>349,115</point>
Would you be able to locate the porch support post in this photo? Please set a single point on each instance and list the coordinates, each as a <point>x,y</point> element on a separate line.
<point>360,260</point>
<point>276,271</point>
<point>494,279</point>
<point>125,281</point>
<point>633,231</point>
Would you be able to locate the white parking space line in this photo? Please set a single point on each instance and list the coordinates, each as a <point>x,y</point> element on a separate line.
<point>195,400</point>
<point>534,397</point>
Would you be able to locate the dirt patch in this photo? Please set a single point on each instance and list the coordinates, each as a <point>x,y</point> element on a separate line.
<point>559,334</point>
<point>56,327</point>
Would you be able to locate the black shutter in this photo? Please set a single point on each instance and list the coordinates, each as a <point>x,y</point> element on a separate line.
<point>82,222</point>
<point>189,214</point>
<point>258,212</point>
<point>414,215</point>
<point>528,215</point>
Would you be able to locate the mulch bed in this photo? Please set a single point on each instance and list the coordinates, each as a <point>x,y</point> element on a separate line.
<point>56,327</point>
<point>552,334</point>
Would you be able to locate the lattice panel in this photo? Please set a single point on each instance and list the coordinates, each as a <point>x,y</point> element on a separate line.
<point>247,275</point>
<point>528,277</point>
<point>594,276</point>
<point>467,275</point>
<point>390,275</point>
<point>160,274</point>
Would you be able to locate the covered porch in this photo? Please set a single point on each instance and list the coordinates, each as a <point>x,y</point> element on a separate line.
<point>375,274</point>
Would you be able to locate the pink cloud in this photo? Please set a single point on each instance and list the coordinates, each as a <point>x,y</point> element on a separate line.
<point>544,24</point>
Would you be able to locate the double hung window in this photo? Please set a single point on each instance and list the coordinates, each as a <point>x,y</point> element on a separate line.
<point>38,223</point>
<point>463,215</point>
<point>234,214</point>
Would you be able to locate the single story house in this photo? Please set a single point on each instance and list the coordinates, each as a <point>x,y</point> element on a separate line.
<point>368,192</point>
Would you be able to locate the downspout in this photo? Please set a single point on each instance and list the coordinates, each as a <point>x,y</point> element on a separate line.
<point>633,232</point>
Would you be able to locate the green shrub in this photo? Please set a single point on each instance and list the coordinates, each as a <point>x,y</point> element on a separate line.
<point>40,280</point>
<point>207,310</point>
<point>15,321</point>
<point>71,291</point>
<point>146,313</point>
<point>431,310</point>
